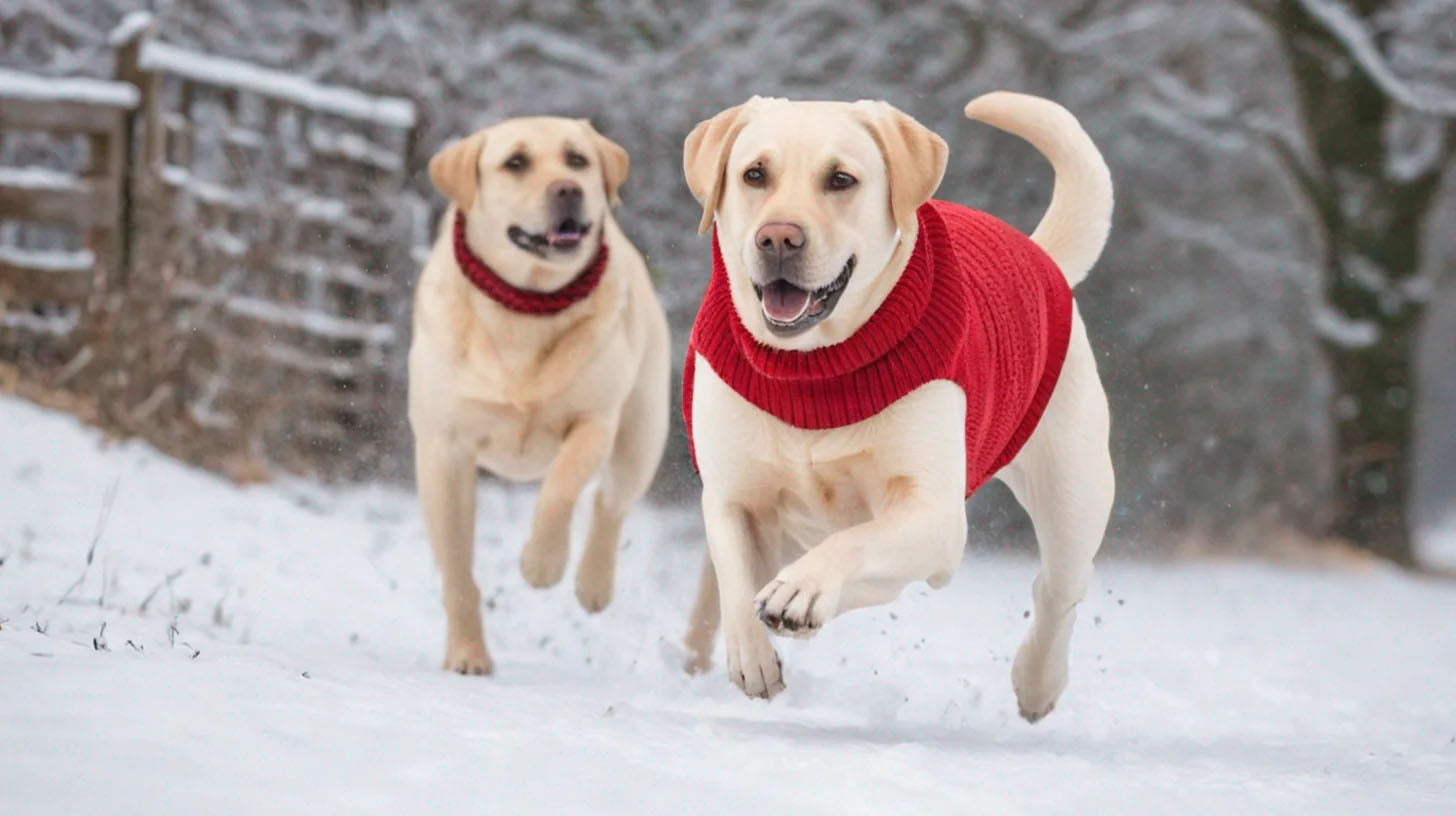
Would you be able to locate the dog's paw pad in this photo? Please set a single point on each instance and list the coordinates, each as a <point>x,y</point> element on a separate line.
<point>792,608</point>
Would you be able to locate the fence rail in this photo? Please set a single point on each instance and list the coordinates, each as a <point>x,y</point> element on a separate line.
<point>235,290</point>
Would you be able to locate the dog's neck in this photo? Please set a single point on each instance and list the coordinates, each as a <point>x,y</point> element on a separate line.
<point>519,299</point>
<point>532,356</point>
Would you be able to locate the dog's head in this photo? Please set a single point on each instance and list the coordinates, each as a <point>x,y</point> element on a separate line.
<point>541,186</point>
<point>812,201</point>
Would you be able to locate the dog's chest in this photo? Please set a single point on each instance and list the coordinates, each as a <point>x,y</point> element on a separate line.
<point>799,485</point>
<point>815,499</point>
<point>515,443</point>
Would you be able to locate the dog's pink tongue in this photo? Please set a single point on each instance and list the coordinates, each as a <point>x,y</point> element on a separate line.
<point>784,302</point>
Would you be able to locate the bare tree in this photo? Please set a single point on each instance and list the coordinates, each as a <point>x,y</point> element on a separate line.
<point>1376,83</point>
<point>1371,136</point>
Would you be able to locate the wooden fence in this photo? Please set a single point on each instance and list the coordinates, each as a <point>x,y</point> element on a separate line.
<point>249,265</point>
<point>62,236</point>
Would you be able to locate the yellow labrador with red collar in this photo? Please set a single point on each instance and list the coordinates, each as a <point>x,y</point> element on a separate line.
<point>821,209</point>
<point>540,351</point>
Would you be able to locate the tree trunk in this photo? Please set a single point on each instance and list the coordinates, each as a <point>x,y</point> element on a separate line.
<point>1371,224</point>
<point>1373,424</point>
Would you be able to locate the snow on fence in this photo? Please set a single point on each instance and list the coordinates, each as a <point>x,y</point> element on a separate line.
<point>244,256</point>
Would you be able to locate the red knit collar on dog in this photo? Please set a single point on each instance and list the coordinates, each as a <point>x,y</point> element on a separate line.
<point>525,301</point>
<point>978,304</point>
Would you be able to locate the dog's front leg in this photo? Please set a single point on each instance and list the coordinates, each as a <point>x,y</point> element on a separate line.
<point>543,561</point>
<point>446,475</point>
<point>753,665</point>
<point>916,537</point>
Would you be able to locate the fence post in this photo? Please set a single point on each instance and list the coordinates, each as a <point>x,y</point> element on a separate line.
<point>128,39</point>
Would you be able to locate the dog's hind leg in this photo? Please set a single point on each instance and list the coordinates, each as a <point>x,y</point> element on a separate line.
<point>636,451</point>
<point>703,622</point>
<point>1064,479</point>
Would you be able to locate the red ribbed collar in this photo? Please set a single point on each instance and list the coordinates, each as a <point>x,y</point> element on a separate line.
<point>887,327</point>
<point>525,301</point>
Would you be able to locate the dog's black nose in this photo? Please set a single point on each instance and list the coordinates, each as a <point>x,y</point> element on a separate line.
<point>565,191</point>
<point>780,239</point>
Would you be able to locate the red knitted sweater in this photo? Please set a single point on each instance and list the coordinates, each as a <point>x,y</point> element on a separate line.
<point>978,304</point>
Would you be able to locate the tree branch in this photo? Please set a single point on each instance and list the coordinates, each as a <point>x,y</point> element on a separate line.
<point>1348,30</point>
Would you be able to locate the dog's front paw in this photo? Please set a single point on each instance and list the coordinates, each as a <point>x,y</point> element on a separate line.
<point>543,561</point>
<point>753,665</point>
<point>796,606</point>
<point>468,657</point>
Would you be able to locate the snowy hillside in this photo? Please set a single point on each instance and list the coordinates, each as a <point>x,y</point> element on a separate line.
<point>274,649</point>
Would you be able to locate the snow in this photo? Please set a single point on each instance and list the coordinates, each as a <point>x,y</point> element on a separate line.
<point>17,85</point>
<point>388,111</point>
<point>51,260</point>
<point>39,178</point>
<point>1438,545</point>
<point>55,323</point>
<point>356,148</point>
<point>274,649</point>
<point>132,24</point>
<point>1343,331</point>
<point>210,192</point>
<point>276,314</point>
<point>325,325</point>
<point>322,210</point>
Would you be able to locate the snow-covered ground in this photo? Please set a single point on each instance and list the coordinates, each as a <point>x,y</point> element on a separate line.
<point>274,650</point>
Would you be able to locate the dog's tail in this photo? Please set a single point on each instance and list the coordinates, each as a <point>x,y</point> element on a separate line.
<point>1074,228</point>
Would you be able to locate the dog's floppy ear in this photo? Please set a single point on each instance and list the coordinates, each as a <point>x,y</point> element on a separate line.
<point>914,158</point>
<point>705,155</point>
<point>455,170</point>
<point>614,160</point>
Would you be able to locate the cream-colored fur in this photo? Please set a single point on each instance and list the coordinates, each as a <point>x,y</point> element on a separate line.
<point>560,398</point>
<point>804,525</point>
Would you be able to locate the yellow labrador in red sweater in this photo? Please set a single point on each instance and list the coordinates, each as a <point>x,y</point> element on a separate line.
<point>865,357</point>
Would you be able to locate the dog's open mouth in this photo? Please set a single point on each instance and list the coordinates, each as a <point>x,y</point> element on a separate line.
<point>564,236</point>
<point>789,310</point>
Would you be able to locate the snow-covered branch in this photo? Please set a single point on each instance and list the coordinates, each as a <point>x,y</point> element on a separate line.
<point>1347,29</point>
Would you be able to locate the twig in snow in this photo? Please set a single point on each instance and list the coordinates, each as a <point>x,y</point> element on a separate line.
<point>39,629</point>
<point>165,582</point>
<point>95,539</point>
<point>99,642</point>
<point>135,647</point>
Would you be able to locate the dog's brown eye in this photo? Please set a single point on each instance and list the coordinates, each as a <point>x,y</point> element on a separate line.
<point>840,180</point>
<point>575,160</point>
<point>516,163</point>
<point>754,176</point>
